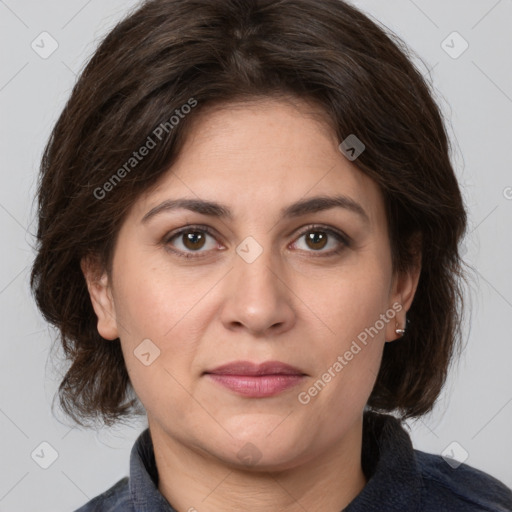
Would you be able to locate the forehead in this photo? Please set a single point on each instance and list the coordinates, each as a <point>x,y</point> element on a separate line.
<point>266,153</point>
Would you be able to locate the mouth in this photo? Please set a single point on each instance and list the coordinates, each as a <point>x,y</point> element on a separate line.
<point>256,380</point>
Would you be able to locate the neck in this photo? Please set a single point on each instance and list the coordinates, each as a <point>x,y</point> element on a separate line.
<point>192,480</point>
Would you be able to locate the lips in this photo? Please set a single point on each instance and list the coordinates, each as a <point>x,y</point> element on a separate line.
<point>256,380</point>
<point>249,368</point>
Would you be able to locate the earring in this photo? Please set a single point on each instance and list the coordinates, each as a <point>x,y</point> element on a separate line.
<point>399,332</point>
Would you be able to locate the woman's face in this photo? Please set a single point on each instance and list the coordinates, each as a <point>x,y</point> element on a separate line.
<point>260,286</point>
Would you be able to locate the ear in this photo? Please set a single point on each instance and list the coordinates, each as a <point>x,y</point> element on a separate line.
<point>101,296</point>
<point>403,290</point>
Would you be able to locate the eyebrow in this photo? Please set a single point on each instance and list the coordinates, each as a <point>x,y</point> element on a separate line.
<point>302,207</point>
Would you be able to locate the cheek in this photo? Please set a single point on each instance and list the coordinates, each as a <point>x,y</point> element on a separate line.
<point>149,300</point>
<point>155,302</point>
<point>348,355</point>
<point>157,349</point>
<point>350,301</point>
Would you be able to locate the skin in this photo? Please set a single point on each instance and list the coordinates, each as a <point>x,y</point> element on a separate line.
<point>290,304</point>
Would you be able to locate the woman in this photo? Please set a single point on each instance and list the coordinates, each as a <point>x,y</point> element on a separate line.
<point>249,224</point>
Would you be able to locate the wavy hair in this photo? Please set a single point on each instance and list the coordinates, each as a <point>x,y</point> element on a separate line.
<point>217,51</point>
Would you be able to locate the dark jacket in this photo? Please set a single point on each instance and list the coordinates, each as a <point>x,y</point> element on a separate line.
<point>400,479</point>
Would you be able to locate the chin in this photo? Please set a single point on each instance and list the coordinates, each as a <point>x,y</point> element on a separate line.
<point>258,451</point>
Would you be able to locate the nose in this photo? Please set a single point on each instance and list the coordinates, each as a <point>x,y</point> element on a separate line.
<point>258,298</point>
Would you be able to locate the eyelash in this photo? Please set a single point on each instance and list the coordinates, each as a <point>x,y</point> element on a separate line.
<point>205,229</point>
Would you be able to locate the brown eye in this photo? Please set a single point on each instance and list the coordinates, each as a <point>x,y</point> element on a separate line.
<point>190,240</point>
<point>316,239</point>
<point>193,240</point>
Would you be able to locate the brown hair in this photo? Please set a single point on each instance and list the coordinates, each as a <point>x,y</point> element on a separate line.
<point>170,53</point>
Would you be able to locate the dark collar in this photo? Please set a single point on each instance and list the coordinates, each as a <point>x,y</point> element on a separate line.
<point>394,480</point>
<point>388,461</point>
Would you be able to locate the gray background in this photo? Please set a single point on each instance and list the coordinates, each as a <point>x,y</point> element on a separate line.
<point>475,93</point>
